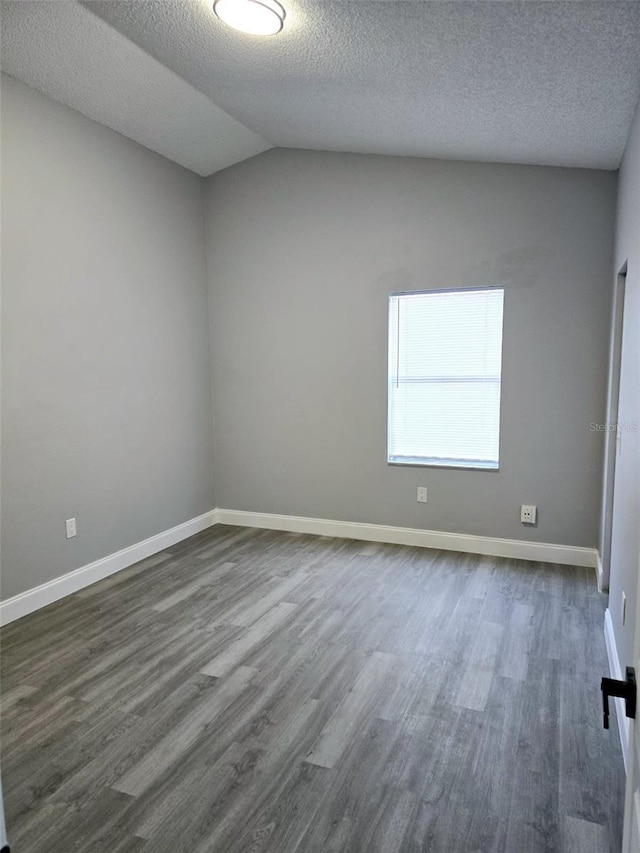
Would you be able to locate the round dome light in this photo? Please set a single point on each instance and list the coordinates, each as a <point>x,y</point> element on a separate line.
<point>256,17</point>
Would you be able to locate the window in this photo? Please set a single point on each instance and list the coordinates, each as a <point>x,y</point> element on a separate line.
<point>445,358</point>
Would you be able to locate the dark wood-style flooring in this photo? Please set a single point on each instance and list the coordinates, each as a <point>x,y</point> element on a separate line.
<point>250,691</point>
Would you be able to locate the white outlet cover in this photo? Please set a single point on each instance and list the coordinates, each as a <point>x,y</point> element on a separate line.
<point>528,514</point>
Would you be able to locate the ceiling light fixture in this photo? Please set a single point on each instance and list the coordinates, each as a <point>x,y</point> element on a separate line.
<point>256,17</point>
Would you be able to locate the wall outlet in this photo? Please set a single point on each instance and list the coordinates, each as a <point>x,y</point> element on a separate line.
<point>528,514</point>
<point>422,494</point>
<point>623,609</point>
<point>71,528</point>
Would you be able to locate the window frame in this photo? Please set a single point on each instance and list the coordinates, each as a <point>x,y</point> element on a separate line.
<point>415,462</point>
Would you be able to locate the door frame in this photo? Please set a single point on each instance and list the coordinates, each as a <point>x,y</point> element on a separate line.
<point>611,436</point>
<point>631,831</point>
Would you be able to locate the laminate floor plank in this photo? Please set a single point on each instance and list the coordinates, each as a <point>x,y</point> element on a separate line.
<point>361,699</point>
<point>240,648</point>
<point>105,767</point>
<point>474,684</point>
<point>514,661</point>
<point>278,591</point>
<point>183,735</point>
<point>187,590</point>
<point>282,824</point>
<point>262,768</point>
<point>581,836</point>
<point>535,817</point>
<point>346,811</point>
<point>20,691</point>
<point>253,691</point>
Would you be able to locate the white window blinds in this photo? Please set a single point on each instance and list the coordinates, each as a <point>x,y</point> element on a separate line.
<point>445,359</point>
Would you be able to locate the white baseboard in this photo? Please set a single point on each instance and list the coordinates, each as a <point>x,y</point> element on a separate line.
<point>47,593</point>
<point>40,596</point>
<point>514,548</point>
<point>615,671</point>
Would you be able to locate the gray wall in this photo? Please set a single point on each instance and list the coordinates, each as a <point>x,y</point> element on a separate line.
<point>303,248</point>
<point>106,362</point>
<point>625,544</point>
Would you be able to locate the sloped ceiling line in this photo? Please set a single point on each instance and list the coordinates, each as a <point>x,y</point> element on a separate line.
<point>542,82</point>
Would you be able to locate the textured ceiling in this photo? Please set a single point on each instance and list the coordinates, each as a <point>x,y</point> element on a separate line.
<point>552,83</point>
<point>73,56</point>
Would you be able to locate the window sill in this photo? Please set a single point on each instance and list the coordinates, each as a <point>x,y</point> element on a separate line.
<point>450,464</point>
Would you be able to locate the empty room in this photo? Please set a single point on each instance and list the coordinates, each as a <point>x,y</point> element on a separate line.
<point>320,460</point>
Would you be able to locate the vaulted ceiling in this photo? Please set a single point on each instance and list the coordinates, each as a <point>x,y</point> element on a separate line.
<point>550,83</point>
